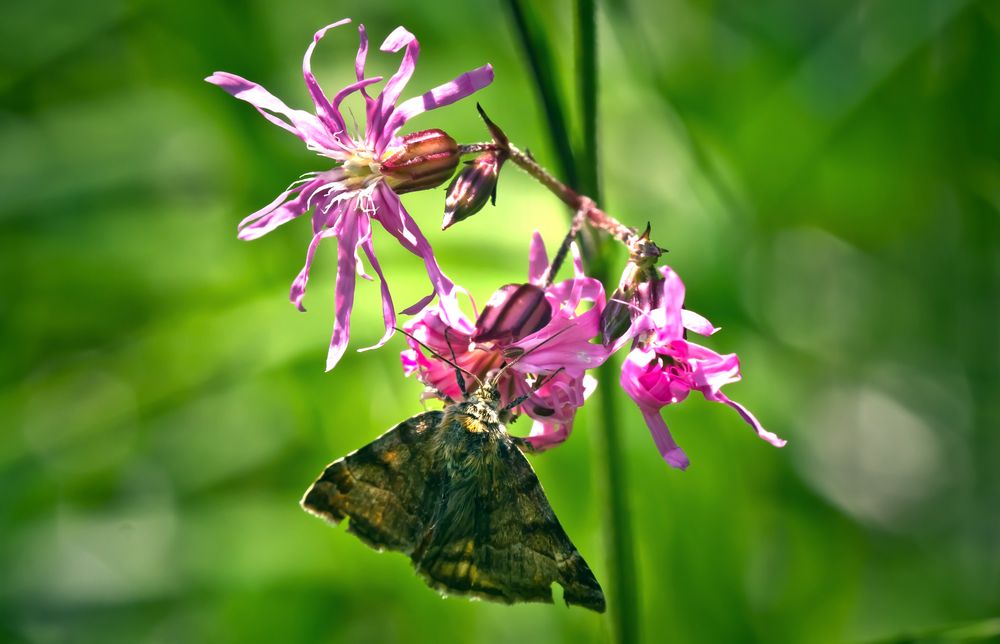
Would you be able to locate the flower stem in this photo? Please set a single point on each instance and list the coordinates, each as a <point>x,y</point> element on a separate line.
<point>581,171</point>
<point>609,459</point>
<point>579,203</point>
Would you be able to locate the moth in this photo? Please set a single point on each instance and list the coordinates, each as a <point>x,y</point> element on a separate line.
<point>453,491</point>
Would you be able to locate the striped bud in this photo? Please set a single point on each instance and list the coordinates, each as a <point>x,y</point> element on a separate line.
<point>469,190</point>
<point>426,160</point>
<point>514,312</point>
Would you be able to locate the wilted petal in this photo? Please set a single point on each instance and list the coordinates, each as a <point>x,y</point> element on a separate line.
<point>710,371</point>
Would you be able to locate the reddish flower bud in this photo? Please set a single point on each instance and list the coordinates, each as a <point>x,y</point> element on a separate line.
<point>469,190</point>
<point>514,311</point>
<point>426,160</point>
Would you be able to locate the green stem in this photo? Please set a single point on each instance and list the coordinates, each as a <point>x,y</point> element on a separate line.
<point>623,595</point>
<point>610,465</point>
<point>581,173</point>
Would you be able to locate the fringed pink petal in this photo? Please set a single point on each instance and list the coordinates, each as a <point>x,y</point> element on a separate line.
<point>671,452</point>
<point>394,218</point>
<point>538,259</point>
<point>462,86</point>
<point>546,435</point>
<point>339,97</point>
<point>751,420</point>
<point>271,216</point>
<point>695,322</point>
<point>395,41</point>
<point>324,110</point>
<point>298,290</point>
<point>379,111</point>
<point>578,271</point>
<point>344,299</point>
<point>304,125</point>
<point>388,311</point>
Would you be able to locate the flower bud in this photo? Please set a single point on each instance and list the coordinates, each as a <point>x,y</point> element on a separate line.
<point>469,190</point>
<point>425,160</point>
<point>515,311</point>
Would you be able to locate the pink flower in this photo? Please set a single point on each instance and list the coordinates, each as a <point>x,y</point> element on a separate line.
<point>357,189</point>
<point>664,367</point>
<point>549,341</point>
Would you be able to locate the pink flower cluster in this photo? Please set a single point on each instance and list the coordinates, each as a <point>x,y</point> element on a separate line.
<point>536,338</point>
<point>661,368</point>
<point>548,359</point>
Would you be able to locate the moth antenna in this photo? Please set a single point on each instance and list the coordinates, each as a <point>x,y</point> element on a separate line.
<point>440,357</point>
<point>458,374</point>
<point>496,378</point>
<point>535,387</point>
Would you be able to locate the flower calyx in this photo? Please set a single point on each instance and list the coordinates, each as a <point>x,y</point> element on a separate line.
<point>426,159</point>
<point>636,289</point>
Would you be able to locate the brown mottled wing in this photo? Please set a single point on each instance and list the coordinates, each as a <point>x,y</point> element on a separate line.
<point>383,487</point>
<point>503,541</point>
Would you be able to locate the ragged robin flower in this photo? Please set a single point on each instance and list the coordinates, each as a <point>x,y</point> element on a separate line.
<point>368,172</point>
<point>542,331</point>
<point>663,367</point>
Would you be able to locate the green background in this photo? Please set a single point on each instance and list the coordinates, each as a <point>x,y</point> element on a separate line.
<point>825,175</point>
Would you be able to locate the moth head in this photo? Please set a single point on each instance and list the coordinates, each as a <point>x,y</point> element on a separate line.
<point>489,394</point>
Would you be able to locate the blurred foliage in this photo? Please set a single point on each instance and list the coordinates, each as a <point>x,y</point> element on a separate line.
<point>825,174</point>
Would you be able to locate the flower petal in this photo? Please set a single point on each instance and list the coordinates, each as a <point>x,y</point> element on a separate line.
<point>304,125</point>
<point>694,322</point>
<point>271,216</point>
<point>752,421</point>
<point>394,218</point>
<point>324,110</point>
<point>446,94</point>
<point>571,350</point>
<point>395,41</point>
<point>388,311</point>
<point>671,452</point>
<point>546,435</point>
<point>339,97</point>
<point>344,299</point>
<point>298,290</point>
<point>538,259</point>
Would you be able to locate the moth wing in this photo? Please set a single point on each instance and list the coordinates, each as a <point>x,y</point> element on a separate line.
<point>382,487</point>
<point>512,547</point>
